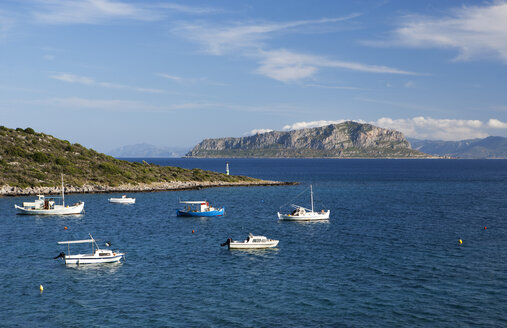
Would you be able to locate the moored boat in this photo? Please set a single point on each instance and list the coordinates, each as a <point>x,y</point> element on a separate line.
<point>304,214</point>
<point>48,206</point>
<point>251,242</point>
<point>122,200</point>
<point>199,208</point>
<point>97,255</point>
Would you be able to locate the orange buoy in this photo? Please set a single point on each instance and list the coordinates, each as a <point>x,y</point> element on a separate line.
<point>65,228</point>
<point>193,231</point>
<point>485,228</point>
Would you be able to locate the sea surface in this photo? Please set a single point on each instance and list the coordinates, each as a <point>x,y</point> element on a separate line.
<point>388,257</point>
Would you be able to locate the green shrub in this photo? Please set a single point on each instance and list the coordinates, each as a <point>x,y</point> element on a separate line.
<point>40,157</point>
<point>109,168</point>
<point>15,151</point>
<point>62,161</point>
<point>29,131</point>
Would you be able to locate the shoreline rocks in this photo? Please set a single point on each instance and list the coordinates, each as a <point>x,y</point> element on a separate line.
<point>7,190</point>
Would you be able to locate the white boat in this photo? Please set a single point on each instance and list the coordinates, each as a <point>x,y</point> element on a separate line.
<point>123,200</point>
<point>251,242</point>
<point>97,255</point>
<point>304,214</point>
<point>47,206</point>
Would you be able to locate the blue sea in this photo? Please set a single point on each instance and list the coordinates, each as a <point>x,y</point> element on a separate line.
<point>388,257</point>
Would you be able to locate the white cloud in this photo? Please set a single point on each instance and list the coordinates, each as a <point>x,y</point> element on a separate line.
<point>421,127</point>
<point>90,12</point>
<point>220,40</point>
<point>71,78</point>
<point>73,103</point>
<point>257,131</point>
<point>409,84</point>
<point>104,11</point>
<point>250,40</point>
<point>188,9</point>
<point>6,23</point>
<point>311,124</point>
<point>475,31</point>
<point>170,77</point>
<point>435,129</point>
<point>287,66</point>
<point>494,123</point>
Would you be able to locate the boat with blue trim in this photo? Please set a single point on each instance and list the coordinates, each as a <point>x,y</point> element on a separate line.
<point>199,208</point>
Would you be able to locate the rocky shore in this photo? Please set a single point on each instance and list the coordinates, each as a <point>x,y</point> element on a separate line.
<point>7,190</point>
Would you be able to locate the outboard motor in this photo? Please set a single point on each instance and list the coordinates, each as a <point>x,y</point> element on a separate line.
<point>62,255</point>
<point>227,242</point>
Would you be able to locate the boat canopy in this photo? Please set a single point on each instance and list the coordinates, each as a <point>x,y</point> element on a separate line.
<point>192,201</point>
<point>77,241</point>
<point>297,206</point>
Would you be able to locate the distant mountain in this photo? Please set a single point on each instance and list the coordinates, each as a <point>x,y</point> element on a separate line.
<point>344,140</point>
<point>147,150</point>
<point>490,147</point>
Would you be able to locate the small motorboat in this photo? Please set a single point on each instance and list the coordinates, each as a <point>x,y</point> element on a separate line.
<point>123,200</point>
<point>97,255</point>
<point>304,214</point>
<point>251,242</point>
<point>199,208</point>
<point>48,206</point>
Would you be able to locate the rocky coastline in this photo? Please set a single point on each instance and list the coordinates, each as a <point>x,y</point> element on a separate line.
<point>7,190</point>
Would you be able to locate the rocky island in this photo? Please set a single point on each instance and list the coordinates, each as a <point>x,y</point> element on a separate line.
<point>32,163</point>
<point>344,140</point>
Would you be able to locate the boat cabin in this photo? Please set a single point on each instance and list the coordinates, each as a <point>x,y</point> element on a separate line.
<point>298,211</point>
<point>255,239</point>
<point>197,206</point>
<point>40,203</point>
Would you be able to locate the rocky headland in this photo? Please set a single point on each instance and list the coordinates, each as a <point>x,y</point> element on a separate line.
<point>344,140</point>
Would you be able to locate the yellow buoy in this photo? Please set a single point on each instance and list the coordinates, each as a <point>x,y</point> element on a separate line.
<point>460,241</point>
<point>41,288</point>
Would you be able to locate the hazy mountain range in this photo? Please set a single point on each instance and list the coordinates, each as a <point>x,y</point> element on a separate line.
<point>490,147</point>
<point>147,150</point>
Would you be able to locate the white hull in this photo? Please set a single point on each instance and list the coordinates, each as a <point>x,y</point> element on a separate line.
<point>122,200</point>
<point>243,245</point>
<point>57,210</point>
<point>308,216</point>
<point>91,259</point>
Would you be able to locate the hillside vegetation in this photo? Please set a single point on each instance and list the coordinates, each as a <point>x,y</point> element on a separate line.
<point>344,140</point>
<point>31,159</point>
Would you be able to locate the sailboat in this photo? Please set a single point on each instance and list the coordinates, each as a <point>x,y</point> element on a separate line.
<point>47,206</point>
<point>301,213</point>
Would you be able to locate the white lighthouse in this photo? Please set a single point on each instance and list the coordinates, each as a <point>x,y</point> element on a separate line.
<point>226,168</point>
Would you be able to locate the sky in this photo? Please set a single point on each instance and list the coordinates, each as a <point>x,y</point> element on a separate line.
<point>110,73</point>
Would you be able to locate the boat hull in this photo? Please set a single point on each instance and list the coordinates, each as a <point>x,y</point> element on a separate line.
<point>122,200</point>
<point>58,210</point>
<point>219,212</point>
<point>243,245</point>
<point>90,259</point>
<point>311,216</point>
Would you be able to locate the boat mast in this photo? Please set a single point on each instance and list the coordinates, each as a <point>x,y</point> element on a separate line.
<point>311,196</point>
<point>63,195</point>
